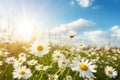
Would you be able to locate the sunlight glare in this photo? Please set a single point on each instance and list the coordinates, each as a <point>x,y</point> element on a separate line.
<point>25,29</point>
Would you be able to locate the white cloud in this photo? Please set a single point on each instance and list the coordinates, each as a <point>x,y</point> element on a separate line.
<point>87,34</point>
<point>115,34</point>
<point>85,3</point>
<point>98,37</point>
<point>115,29</point>
<point>78,25</point>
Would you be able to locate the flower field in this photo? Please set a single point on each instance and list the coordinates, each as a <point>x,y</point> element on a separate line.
<point>59,40</point>
<point>41,60</point>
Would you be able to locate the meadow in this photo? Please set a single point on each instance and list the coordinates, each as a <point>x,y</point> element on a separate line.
<point>42,60</point>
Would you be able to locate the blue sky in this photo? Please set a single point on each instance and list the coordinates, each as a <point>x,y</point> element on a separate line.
<point>53,13</point>
<point>59,12</point>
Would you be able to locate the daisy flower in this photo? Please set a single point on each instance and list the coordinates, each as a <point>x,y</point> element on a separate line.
<point>1,63</point>
<point>81,45</point>
<point>107,48</point>
<point>110,71</point>
<point>39,48</point>
<point>68,78</point>
<point>10,60</point>
<point>63,63</point>
<point>75,49</point>
<point>22,72</point>
<point>19,61</point>
<point>22,55</point>
<point>41,67</point>
<point>57,55</point>
<point>1,53</point>
<point>85,68</point>
<point>4,53</point>
<point>89,79</point>
<point>52,77</point>
<point>32,62</point>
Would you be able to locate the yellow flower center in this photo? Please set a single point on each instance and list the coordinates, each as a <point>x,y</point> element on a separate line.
<point>63,62</point>
<point>32,62</point>
<point>58,56</point>
<point>81,44</point>
<point>40,48</point>
<point>19,61</point>
<point>52,77</point>
<point>110,71</point>
<point>41,66</point>
<point>11,60</point>
<point>83,67</point>
<point>21,72</point>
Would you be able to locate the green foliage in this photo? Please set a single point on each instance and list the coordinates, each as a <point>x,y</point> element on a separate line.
<point>106,58</point>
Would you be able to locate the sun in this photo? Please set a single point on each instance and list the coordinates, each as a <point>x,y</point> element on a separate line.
<point>25,28</point>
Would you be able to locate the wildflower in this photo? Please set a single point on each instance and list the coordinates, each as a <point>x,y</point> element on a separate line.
<point>68,78</point>
<point>10,60</point>
<point>53,77</point>
<point>63,63</point>
<point>4,53</point>
<point>18,62</point>
<point>32,62</point>
<point>1,63</point>
<point>85,68</point>
<point>41,67</point>
<point>22,72</point>
<point>107,48</point>
<point>39,48</point>
<point>81,45</point>
<point>110,71</point>
<point>22,55</point>
<point>57,55</point>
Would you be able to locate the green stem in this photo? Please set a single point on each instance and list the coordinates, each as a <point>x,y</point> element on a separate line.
<point>4,71</point>
<point>41,76</point>
<point>57,71</point>
<point>68,71</point>
<point>61,72</point>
